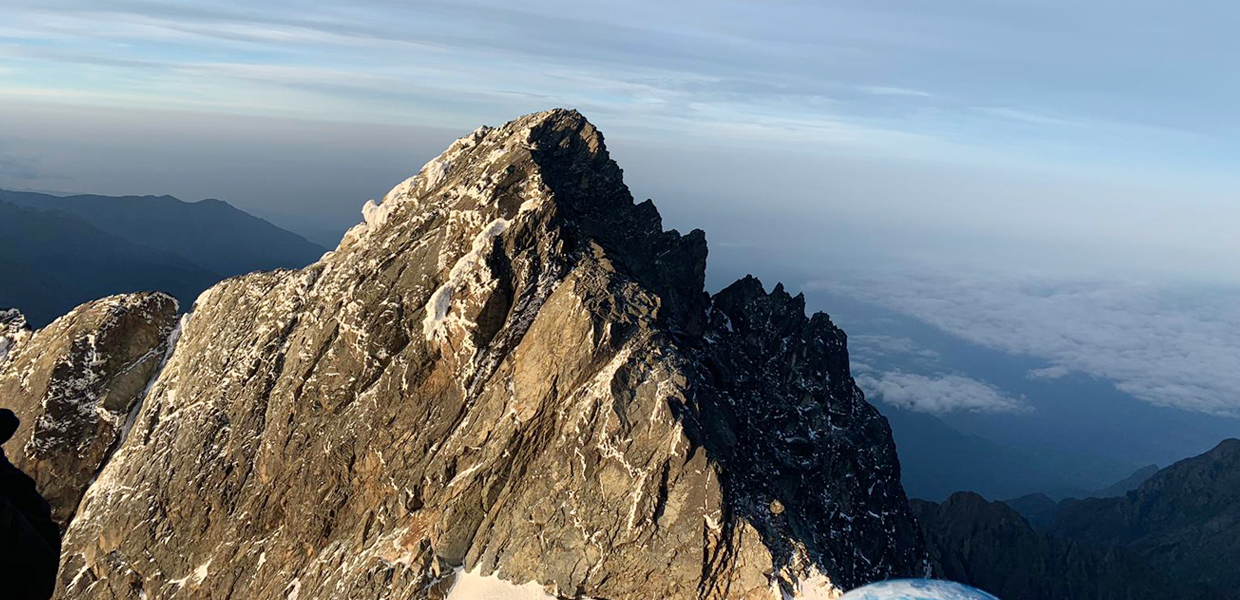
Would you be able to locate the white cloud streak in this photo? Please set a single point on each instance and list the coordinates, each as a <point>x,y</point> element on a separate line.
<point>938,394</point>
<point>1169,346</point>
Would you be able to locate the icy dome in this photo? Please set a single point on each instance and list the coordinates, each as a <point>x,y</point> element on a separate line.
<point>917,589</point>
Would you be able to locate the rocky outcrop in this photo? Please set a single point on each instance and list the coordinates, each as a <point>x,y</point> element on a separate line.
<point>1185,519</point>
<point>13,332</point>
<point>508,367</point>
<point>75,382</point>
<point>990,546</point>
<point>782,415</point>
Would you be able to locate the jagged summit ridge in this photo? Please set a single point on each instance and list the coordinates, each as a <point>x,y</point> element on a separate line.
<point>494,175</point>
<point>509,367</point>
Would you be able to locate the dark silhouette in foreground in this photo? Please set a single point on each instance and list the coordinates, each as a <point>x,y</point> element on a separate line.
<point>29,539</point>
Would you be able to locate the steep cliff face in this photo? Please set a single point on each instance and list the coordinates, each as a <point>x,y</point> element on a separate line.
<point>509,367</point>
<point>75,383</point>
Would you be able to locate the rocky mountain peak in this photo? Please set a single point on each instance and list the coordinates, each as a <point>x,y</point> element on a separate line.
<point>509,367</point>
<point>1213,478</point>
<point>553,170</point>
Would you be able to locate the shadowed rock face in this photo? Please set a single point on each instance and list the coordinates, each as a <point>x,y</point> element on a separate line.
<point>1185,519</point>
<point>75,382</point>
<point>509,366</point>
<point>991,546</point>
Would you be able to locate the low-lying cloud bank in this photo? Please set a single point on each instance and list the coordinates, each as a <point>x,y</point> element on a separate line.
<point>1166,345</point>
<point>938,394</point>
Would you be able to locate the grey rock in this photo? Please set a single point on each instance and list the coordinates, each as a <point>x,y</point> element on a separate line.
<point>74,384</point>
<point>510,367</point>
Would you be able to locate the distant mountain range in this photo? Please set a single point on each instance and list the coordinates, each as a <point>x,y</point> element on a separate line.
<point>990,546</point>
<point>57,252</point>
<point>1185,519</point>
<point>1039,508</point>
<point>1127,484</point>
<point>936,457</point>
<point>1176,535</point>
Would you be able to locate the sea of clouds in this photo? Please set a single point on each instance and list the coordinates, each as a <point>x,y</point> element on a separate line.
<point>1165,344</point>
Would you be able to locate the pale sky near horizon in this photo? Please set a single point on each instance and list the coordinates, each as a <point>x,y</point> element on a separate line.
<point>1071,140</point>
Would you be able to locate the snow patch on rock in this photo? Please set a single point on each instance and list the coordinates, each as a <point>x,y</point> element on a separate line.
<point>13,331</point>
<point>432,174</point>
<point>195,577</point>
<point>815,586</point>
<point>472,585</point>
<point>293,590</point>
<point>473,262</point>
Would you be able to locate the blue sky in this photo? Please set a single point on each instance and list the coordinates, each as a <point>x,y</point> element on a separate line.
<point>1134,85</point>
<point>973,162</point>
<point>1053,120</point>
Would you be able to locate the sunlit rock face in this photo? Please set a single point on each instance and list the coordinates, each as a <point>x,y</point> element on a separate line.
<point>76,384</point>
<point>508,369</point>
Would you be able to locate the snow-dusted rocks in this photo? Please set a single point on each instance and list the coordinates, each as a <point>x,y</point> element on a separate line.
<point>13,331</point>
<point>509,369</point>
<point>75,382</point>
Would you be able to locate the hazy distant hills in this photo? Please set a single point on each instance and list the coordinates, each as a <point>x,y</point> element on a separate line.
<point>52,261</point>
<point>935,458</point>
<point>1127,484</point>
<point>990,546</point>
<point>57,252</point>
<point>210,233</point>
<point>1179,526</point>
<point>1186,518</point>
<point>1039,508</point>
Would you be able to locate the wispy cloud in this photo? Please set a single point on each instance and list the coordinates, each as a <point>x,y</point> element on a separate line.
<point>865,350</point>
<point>1025,116</point>
<point>938,394</point>
<point>881,90</point>
<point>835,74</point>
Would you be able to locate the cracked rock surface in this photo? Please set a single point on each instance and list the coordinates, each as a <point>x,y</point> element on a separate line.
<point>74,384</point>
<point>509,366</point>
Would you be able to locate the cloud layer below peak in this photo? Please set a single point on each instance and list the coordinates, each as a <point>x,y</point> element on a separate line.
<point>1170,346</point>
<point>938,394</point>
